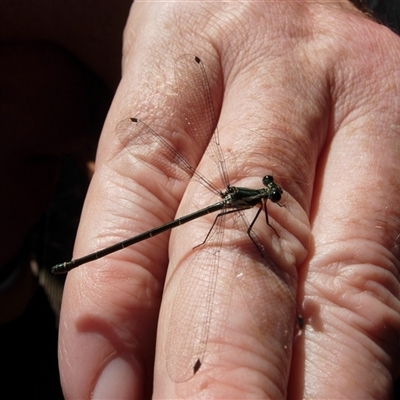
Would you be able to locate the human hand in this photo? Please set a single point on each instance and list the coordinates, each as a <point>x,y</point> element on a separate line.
<point>309,95</point>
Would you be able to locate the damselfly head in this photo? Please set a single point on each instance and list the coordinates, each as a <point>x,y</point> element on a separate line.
<point>275,191</point>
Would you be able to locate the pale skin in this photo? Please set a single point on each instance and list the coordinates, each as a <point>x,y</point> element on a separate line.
<point>311,91</point>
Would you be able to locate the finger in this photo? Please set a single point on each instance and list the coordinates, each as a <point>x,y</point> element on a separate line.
<point>351,296</point>
<point>269,129</point>
<point>110,307</point>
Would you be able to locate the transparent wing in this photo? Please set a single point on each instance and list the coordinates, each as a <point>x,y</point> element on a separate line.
<point>193,312</point>
<point>228,262</point>
<point>264,287</point>
<point>198,109</point>
<point>202,302</point>
<point>155,152</point>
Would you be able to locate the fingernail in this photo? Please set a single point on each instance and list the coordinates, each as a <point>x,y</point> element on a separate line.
<point>120,379</point>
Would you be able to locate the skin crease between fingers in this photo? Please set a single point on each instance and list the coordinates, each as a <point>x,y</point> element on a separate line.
<point>320,113</point>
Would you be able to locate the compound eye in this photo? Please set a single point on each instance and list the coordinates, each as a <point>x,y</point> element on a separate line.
<point>275,195</point>
<point>267,180</point>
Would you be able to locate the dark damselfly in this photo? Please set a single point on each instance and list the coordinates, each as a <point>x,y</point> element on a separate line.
<point>135,135</point>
